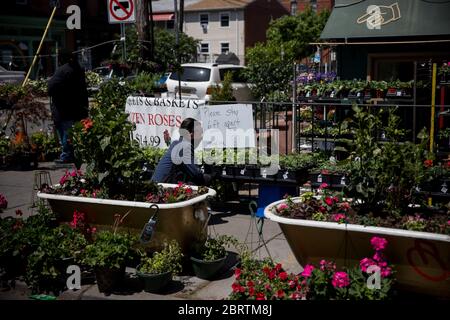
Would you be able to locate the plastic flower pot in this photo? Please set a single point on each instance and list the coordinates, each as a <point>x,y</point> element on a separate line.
<point>154,282</point>
<point>207,269</point>
<point>109,279</point>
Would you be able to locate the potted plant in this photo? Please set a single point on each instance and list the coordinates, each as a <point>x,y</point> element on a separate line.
<point>156,271</point>
<point>378,200</point>
<point>209,258</point>
<point>47,265</point>
<point>108,256</point>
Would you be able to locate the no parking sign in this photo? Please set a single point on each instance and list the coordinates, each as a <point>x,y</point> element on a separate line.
<point>121,11</point>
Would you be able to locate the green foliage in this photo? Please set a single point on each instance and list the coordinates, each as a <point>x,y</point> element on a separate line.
<point>167,260</point>
<point>270,64</point>
<point>4,145</point>
<point>20,238</point>
<point>46,269</point>
<point>165,50</point>
<point>145,82</point>
<point>224,92</point>
<point>103,142</point>
<point>109,250</point>
<point>46,144</point>
<point>93,79</point>
<point>385,172</point>
<point>295,33</point>
<point>297,161</point>
<point>38,87</point>
<point>215,248</point>
<point>152,156</point>
<point>269,71</point>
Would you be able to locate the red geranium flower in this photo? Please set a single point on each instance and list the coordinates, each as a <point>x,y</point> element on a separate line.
<point>428,163</point>
<point>87,124</point>
<point>283,276</point>
<point>260,296</point>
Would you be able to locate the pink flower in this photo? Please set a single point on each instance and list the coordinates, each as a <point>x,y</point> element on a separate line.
<point>295,296</point>
<point>292,284</point>
<point>378,256</point>
<point>323,185</point>
<point>365,263</point>
<point>251,291</point>
<point>268,287</point>
<point>3,202</point>
<point>339,217</point>
<point>386,272</point>
<point>378,243</point>
<point>448,222</point>
<point>281,207</point>
<point>329,201</point>
<point>237,273</point>
<point>345,205</point>
<point>307,271</point>
<point>340,280</point>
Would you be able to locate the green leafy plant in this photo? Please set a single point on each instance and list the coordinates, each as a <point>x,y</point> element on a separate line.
<point>145,83</point>
<point>93,79</point>
<point>109,250</point>
<point>224,92</point>
<point>166,260</point>
<point>103,143</point>
<point>215,248</point>
<point>384,173</point>
<point>152,156</point>
<point>46,268</point>
<point>298,161</point>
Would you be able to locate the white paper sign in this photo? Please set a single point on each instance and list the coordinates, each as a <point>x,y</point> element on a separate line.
<point>234,122</point>
<point>158,120</point>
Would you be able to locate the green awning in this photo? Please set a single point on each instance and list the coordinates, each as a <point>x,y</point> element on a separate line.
<point>387,18</point>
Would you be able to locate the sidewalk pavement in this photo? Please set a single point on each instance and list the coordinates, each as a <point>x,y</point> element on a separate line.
<point>17,186</point>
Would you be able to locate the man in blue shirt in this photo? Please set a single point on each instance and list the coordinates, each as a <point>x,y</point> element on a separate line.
<point>177,164</point>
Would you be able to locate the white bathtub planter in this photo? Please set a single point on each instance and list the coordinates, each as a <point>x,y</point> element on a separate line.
<point>184,221</point>
<point>421,259</point>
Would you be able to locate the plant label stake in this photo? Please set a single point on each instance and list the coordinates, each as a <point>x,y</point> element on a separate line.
<point>149,228</point>
<point>444,188</point>
<point>319,178</point>
<point>242,172</point>
<point>285,175</point>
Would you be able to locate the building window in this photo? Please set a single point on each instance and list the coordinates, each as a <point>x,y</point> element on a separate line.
<point>204,48</point>
<point>204,18</point>
<point>224,19</point>
<point>170,24</point>
<point>224,47</point>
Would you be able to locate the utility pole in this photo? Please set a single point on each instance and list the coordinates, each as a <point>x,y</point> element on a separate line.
<point>143,28</point>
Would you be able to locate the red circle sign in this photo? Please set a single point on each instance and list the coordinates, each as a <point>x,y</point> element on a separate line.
<point>119,4</point>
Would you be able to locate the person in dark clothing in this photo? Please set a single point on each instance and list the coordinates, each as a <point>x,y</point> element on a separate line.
<point>69,103</point>
<point>177,164</point>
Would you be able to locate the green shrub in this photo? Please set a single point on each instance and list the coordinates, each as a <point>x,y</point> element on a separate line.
<point>167,260</point>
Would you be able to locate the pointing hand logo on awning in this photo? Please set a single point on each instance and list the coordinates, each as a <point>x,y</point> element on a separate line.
<point>377,16</point>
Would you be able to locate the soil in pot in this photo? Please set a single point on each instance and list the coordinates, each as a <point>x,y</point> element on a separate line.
<point>109,279</point>
<point>154,282</point>
<point>207,269</point>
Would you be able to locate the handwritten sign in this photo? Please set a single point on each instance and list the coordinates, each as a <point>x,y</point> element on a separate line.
<point>158,120</point>
<point>229,125</point>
